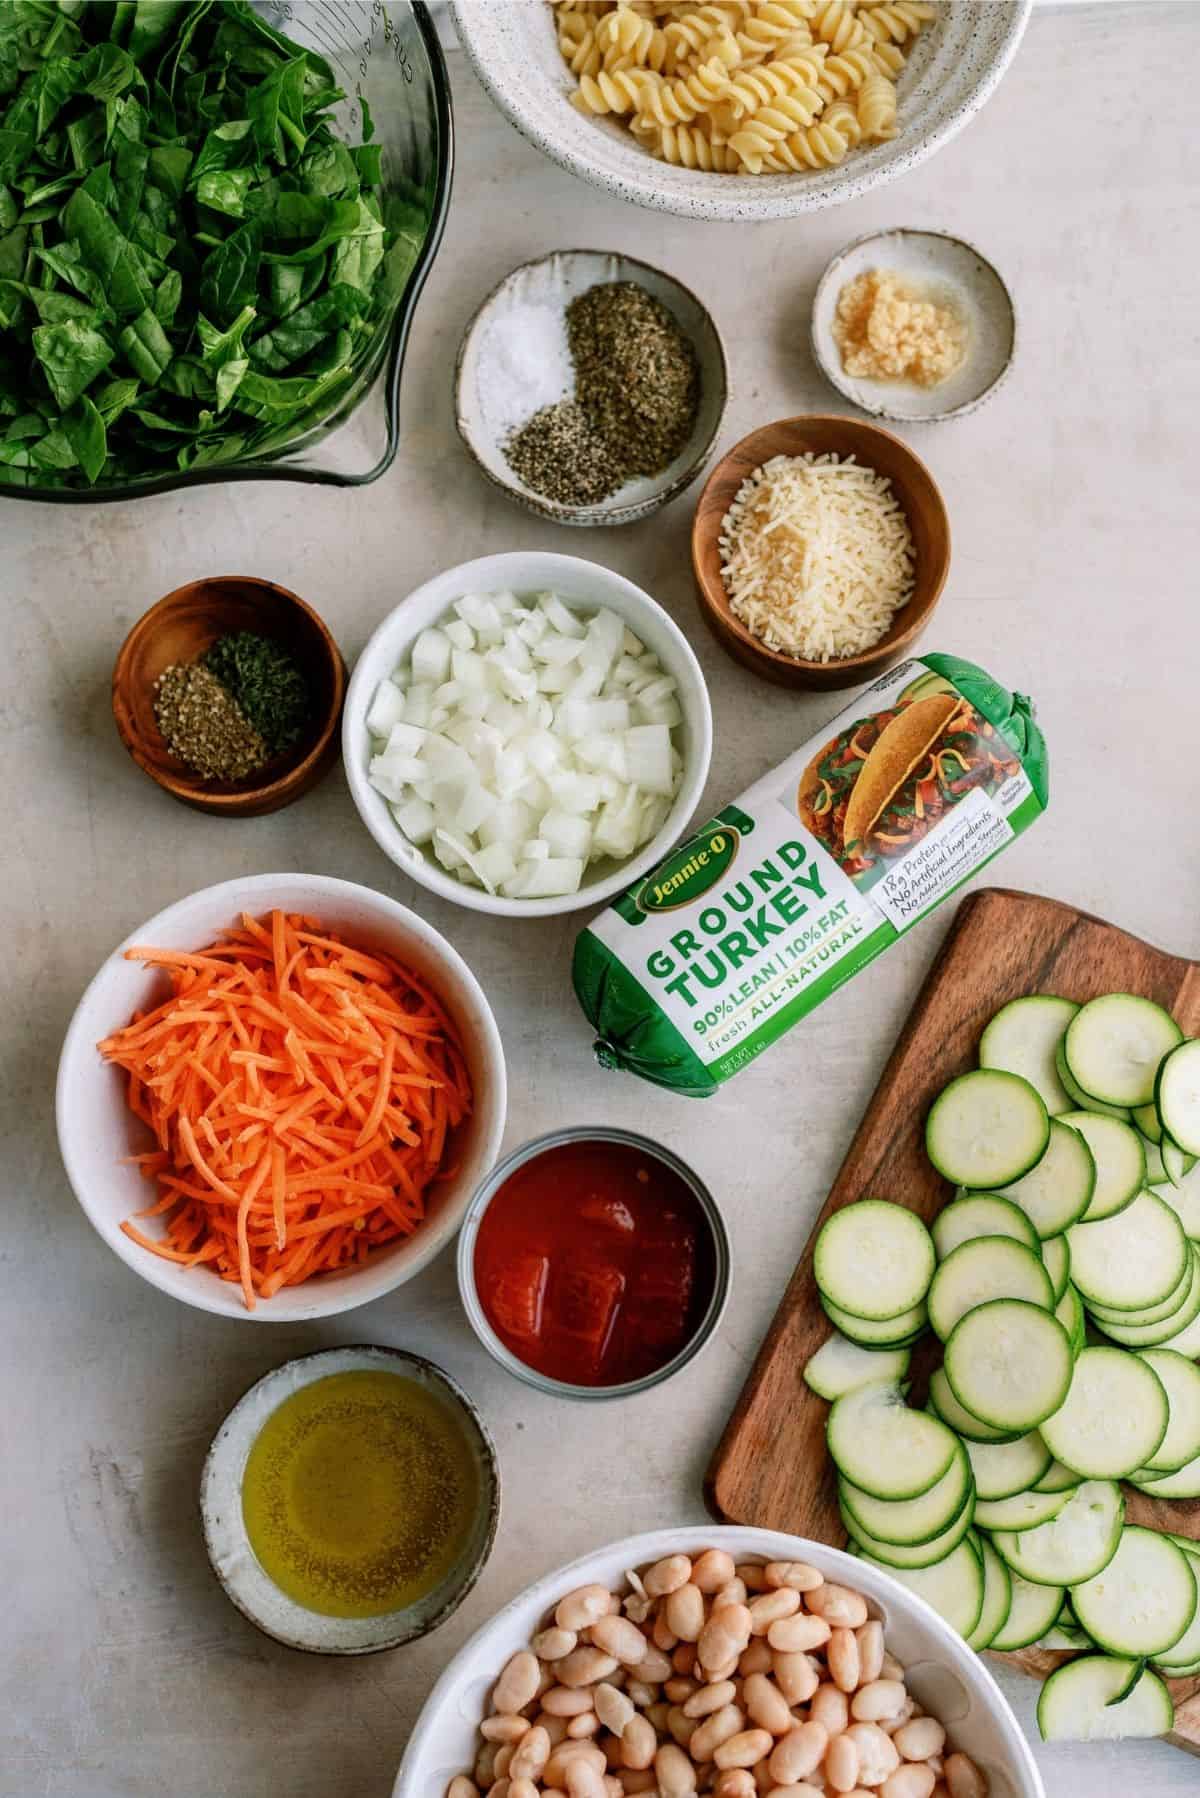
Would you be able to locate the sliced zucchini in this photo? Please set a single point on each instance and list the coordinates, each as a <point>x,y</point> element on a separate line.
<point>1132,1261</point>
<point>840,1365</point>
<point>960,1420</point>
<point>1170,1307</point>
<point>874,1259</point>
<point>1183,1483</point>
<point>1058,1478</point>
<point>914,1554</point>
<point>1032,1611</point>
<point>893,1332</point>
<point>1186,1340</point>
<point>1074,1546</point>
<point>1177,1096</point>
<point>1082,1099</point>
<point>1004,1468</point>
<point>1156,1172</point>
<point>982,1214</point>
<point>1176,1164</point>
<point>1114,1047</point>
<point>1010,1363</point>
<point>1183,1653</point>
<point>1069,1312</point>
<point>1076,1703</point>
<point>986,1129</point>
<point>1023,1511</point>
<point>1184,1200</point>
<point>909,1521</point>
<point>1060,1639</point>
<point>1143,1601</point>
<point>997,1599</point>
<point>1112,1420</point>
<point>1056,1259</point>
<point>953,1587</point>
<point>1181,1382</point>
<point>1022,1038</point>
<point>1145,1119</point>
<point>1120,1159</point>
<point>1059,1190</point>
<point>885,1448</point>
<point>981,1270</point>
<point>1168,1332</point>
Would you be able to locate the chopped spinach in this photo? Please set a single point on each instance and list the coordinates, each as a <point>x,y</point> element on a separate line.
<point>192,265</point>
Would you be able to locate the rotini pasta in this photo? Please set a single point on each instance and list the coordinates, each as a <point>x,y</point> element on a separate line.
<point>742,86</point>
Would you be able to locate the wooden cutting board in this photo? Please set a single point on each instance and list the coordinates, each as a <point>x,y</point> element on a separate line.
<point>770,1469</point>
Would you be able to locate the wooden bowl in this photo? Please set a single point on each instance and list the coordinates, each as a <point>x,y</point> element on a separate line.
<point>179,629</point>
<point>914,487</point>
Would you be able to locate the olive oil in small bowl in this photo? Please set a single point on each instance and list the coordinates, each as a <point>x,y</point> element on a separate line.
<point>350,1500</point>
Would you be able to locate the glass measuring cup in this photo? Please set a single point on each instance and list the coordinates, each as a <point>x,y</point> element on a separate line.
<point>386,52</point>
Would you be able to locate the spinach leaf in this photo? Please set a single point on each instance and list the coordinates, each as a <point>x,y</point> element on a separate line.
<point>72,355</point>
<point>146,348</point>
<point>107,253</point>
<point>229,279</point>
<point>86,433</point>
<point>225,190</point>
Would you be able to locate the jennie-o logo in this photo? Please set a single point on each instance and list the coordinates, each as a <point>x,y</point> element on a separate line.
<point>691,871</point>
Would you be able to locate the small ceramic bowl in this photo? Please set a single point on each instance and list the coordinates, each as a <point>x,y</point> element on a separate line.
<point>252,1590</point>
<point>717,1257</point>
<point>97,1132</point>
<point>918,494</point>
<point>544,289</point>
<point>582,584</point>
<point>179,629</point>
<point>946,267</point>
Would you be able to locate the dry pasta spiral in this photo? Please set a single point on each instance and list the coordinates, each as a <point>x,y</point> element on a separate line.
<point>750,87</point>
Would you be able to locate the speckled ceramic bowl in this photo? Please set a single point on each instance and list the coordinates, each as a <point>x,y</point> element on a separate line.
<point>932,261</point>
<point>234,1563</point>
<point>955,66</point>
<point>542,289</point>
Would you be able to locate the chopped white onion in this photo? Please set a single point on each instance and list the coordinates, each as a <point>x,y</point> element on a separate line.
<point>524,740</point>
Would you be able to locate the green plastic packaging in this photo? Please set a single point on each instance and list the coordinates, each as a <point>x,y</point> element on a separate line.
<point>762,913</point>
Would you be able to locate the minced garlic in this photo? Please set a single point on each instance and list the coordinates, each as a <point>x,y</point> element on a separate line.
<point>887,330</point>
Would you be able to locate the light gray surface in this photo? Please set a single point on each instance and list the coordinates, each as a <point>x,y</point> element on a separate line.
<point>125,1673</point>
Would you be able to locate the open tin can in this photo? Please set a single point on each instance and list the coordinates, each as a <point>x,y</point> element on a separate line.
<point>713,1259</point>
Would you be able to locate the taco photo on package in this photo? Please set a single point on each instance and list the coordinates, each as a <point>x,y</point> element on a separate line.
<point>885,781</point>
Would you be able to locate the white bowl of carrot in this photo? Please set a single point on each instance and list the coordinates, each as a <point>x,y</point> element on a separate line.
<point>277,1097</point>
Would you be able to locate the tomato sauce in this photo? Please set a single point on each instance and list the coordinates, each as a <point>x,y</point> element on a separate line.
<point>594,1263</point>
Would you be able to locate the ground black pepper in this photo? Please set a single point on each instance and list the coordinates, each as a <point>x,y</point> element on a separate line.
<point>637,388</point>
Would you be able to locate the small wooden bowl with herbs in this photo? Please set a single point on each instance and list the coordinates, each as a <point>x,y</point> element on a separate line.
<point>228,693</point>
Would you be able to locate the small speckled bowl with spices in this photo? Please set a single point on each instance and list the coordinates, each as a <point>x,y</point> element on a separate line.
<point>526,312</point>
<point>182,628</point>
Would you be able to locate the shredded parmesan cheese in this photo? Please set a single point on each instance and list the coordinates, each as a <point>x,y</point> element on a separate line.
<point>816,556</point>
<point>888,331</point>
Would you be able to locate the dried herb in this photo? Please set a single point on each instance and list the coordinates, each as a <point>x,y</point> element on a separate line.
<point>203,725</point>
<point>265,683</point>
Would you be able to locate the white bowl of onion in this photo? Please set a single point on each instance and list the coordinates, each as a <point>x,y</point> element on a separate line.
<point>526,734</point>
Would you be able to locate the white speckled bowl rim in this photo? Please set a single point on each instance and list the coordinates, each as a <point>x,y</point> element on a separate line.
<point>245,1583</point>
<point>862,393</point>
<point>956,65</point>
<point>644,495</point>
<point>949,1678</point>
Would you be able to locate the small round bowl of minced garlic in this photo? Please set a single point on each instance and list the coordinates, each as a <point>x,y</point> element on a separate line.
<point>590,387</point>
<point>228,693</point>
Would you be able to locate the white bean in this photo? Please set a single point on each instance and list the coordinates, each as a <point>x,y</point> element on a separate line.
<point>766,1704</point>
<point>681,1728</point>
<point>769,1607</point>
<point>838,1605</point>
<point>881,1698</point>
<point>462,1787</point>
<point>714,1730</point>
<point>518,1683</point>
<point>745,1749</point>
<point>562,1701</point>
<point>654,1667</point>
<point>522,1788</point>
<point>734,1782</point>
<point>613,1708</point>
<point>675,1772</point>
<point>841,1764</point>
<point>830,1708</point>
<point>920,1739</point>
<point>532,1753</point>
<point>795,1674</point>
<point>583,1780</point>
<point>803,1790</point>
<point>916,1780</point>
<point>842,1655</point>
<point>485,1766</point>
<point>708,1699</point>
<point>732,1593</point>
<point>555,1771</point>
<point>584,1666</point>
<point>684,1612</point>
<point>552,1644</point>
<point>877,1758</point>
<point>667,1575</point>
<point>712,1570</point>
<point>620,1638</point>
<point>797,1574</point>
<point>870,1649</point>
<point>724,1636</point>
<point>683,1658</point>
<point>633,1779</point>
<point>753,1574</point>
<point>504,1728</point>
<point>504,1756</point>
<point>638,1743</point>
<point>755,1657</point>
<point>580,1608</point>
<point>799,1753</point>
<point>963,1778</point>
<point>586,1724</point>
<point>799,1634</point>
<point>891,1668</point>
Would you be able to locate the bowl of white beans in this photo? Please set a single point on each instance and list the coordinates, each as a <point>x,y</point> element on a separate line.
<point>729,1661</point>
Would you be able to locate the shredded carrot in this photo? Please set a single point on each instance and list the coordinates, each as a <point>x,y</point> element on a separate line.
<point>302,1094</point>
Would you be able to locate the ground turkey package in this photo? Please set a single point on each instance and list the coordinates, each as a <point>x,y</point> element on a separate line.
<point>810,874</point>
